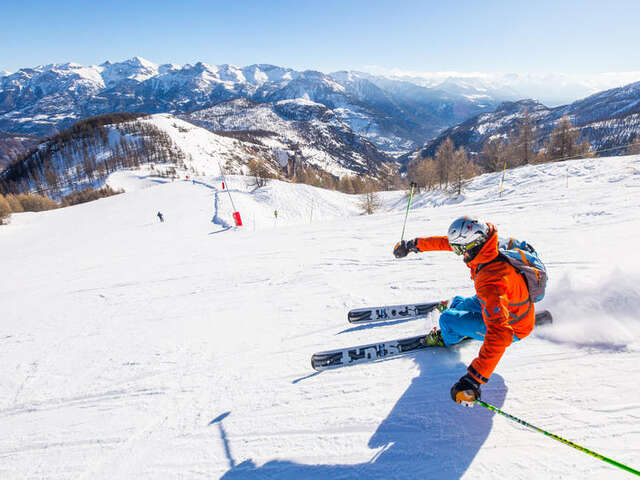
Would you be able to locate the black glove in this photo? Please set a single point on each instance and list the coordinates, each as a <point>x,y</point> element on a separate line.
<point>402,248</point>
<point>466,391</point>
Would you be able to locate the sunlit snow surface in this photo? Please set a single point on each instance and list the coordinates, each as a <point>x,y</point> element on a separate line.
<point>135,349</point>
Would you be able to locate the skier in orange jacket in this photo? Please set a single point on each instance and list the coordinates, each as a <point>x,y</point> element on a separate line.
<point>500,313</point>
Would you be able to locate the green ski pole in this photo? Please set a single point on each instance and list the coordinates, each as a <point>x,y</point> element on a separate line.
<point>407,213</point>
<point>560,439</point>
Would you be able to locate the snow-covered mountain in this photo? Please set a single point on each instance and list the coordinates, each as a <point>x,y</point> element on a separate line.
<point>552,89</point>
<point>284,136</point>
<point>299,127</point>
<point>607,119</point>
<point>395,112</point>
<point>134,349</point>
<point>49,98</point>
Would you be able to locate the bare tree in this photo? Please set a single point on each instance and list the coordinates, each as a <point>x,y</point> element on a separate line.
<point>494,154</point>
<point>370,199</point>
<point>14,203</point>
<point>359,185</point>
<point>5,210</point>
<point>346,184</point>
<point>424,173</point>
<point>564,141</point>
<point>259,171</point>
<point>523,143</point>
<point>462,169</point>
<point>444,156</point>
<point>634,146</point>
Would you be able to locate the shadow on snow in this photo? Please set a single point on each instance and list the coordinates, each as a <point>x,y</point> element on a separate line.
<point>425,435</point>
<point>368,326</point>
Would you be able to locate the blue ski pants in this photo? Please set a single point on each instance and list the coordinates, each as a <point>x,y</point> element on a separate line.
<point>462,319</point>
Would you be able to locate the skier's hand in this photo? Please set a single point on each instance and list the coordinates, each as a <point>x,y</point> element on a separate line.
<point>403,248</point>
<point>466,391</point>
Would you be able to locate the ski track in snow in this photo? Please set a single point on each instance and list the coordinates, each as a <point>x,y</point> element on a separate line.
<point>134,349</point>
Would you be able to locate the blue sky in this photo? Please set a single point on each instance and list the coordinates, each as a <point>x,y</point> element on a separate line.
<point>464,36</point>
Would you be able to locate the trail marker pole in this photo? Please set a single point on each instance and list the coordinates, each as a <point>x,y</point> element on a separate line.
<point>560,439</point>
<point>236,214</point>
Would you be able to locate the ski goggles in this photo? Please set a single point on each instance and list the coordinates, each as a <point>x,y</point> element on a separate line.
<point>462,249</point>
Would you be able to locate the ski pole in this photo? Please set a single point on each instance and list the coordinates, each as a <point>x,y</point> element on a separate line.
<point>560,439</point>
<point>407,213</point>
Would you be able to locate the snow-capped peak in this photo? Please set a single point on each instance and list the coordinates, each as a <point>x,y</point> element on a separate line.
<point>141,62</point>
<point>136,68</point>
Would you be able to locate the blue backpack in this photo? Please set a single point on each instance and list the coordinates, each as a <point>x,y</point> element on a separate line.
<point>524,258</point>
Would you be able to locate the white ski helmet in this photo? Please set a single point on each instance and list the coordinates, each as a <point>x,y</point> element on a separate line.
<point>466,233</point>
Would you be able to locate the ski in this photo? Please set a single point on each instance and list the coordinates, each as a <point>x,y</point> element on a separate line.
<point>390,312</point>
<point>343,357</point>
<point>394,312</point>
<point>366,353</point>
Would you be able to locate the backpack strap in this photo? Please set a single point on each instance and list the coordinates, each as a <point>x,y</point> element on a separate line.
<point>499,258</point>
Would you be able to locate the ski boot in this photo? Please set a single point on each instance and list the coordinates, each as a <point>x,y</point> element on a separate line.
<point>433,338</point>
<point>443,305</point>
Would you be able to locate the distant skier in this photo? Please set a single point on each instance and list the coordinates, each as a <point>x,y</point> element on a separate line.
<point>161,217</point>
<point>501,312</point>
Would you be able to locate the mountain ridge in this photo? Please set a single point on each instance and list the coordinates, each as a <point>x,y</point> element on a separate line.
<point>48,98</point>
<point>609,119</point>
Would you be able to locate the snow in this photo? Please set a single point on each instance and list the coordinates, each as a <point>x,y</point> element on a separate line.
<point>136,68</point>
<point>552,89</point>
<point>203,149</point>
<point>137,349</point>
<point>295,122</point>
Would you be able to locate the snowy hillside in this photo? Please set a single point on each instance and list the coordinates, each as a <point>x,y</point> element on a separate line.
<point>299,128</point>
<point>138,349</point>
<point>607,119</point>
<point>301,135</point>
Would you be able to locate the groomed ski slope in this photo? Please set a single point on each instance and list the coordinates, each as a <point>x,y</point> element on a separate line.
<point>135,349</point>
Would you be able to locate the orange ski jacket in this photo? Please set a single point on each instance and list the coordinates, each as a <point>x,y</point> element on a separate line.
<point>507,310</point>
